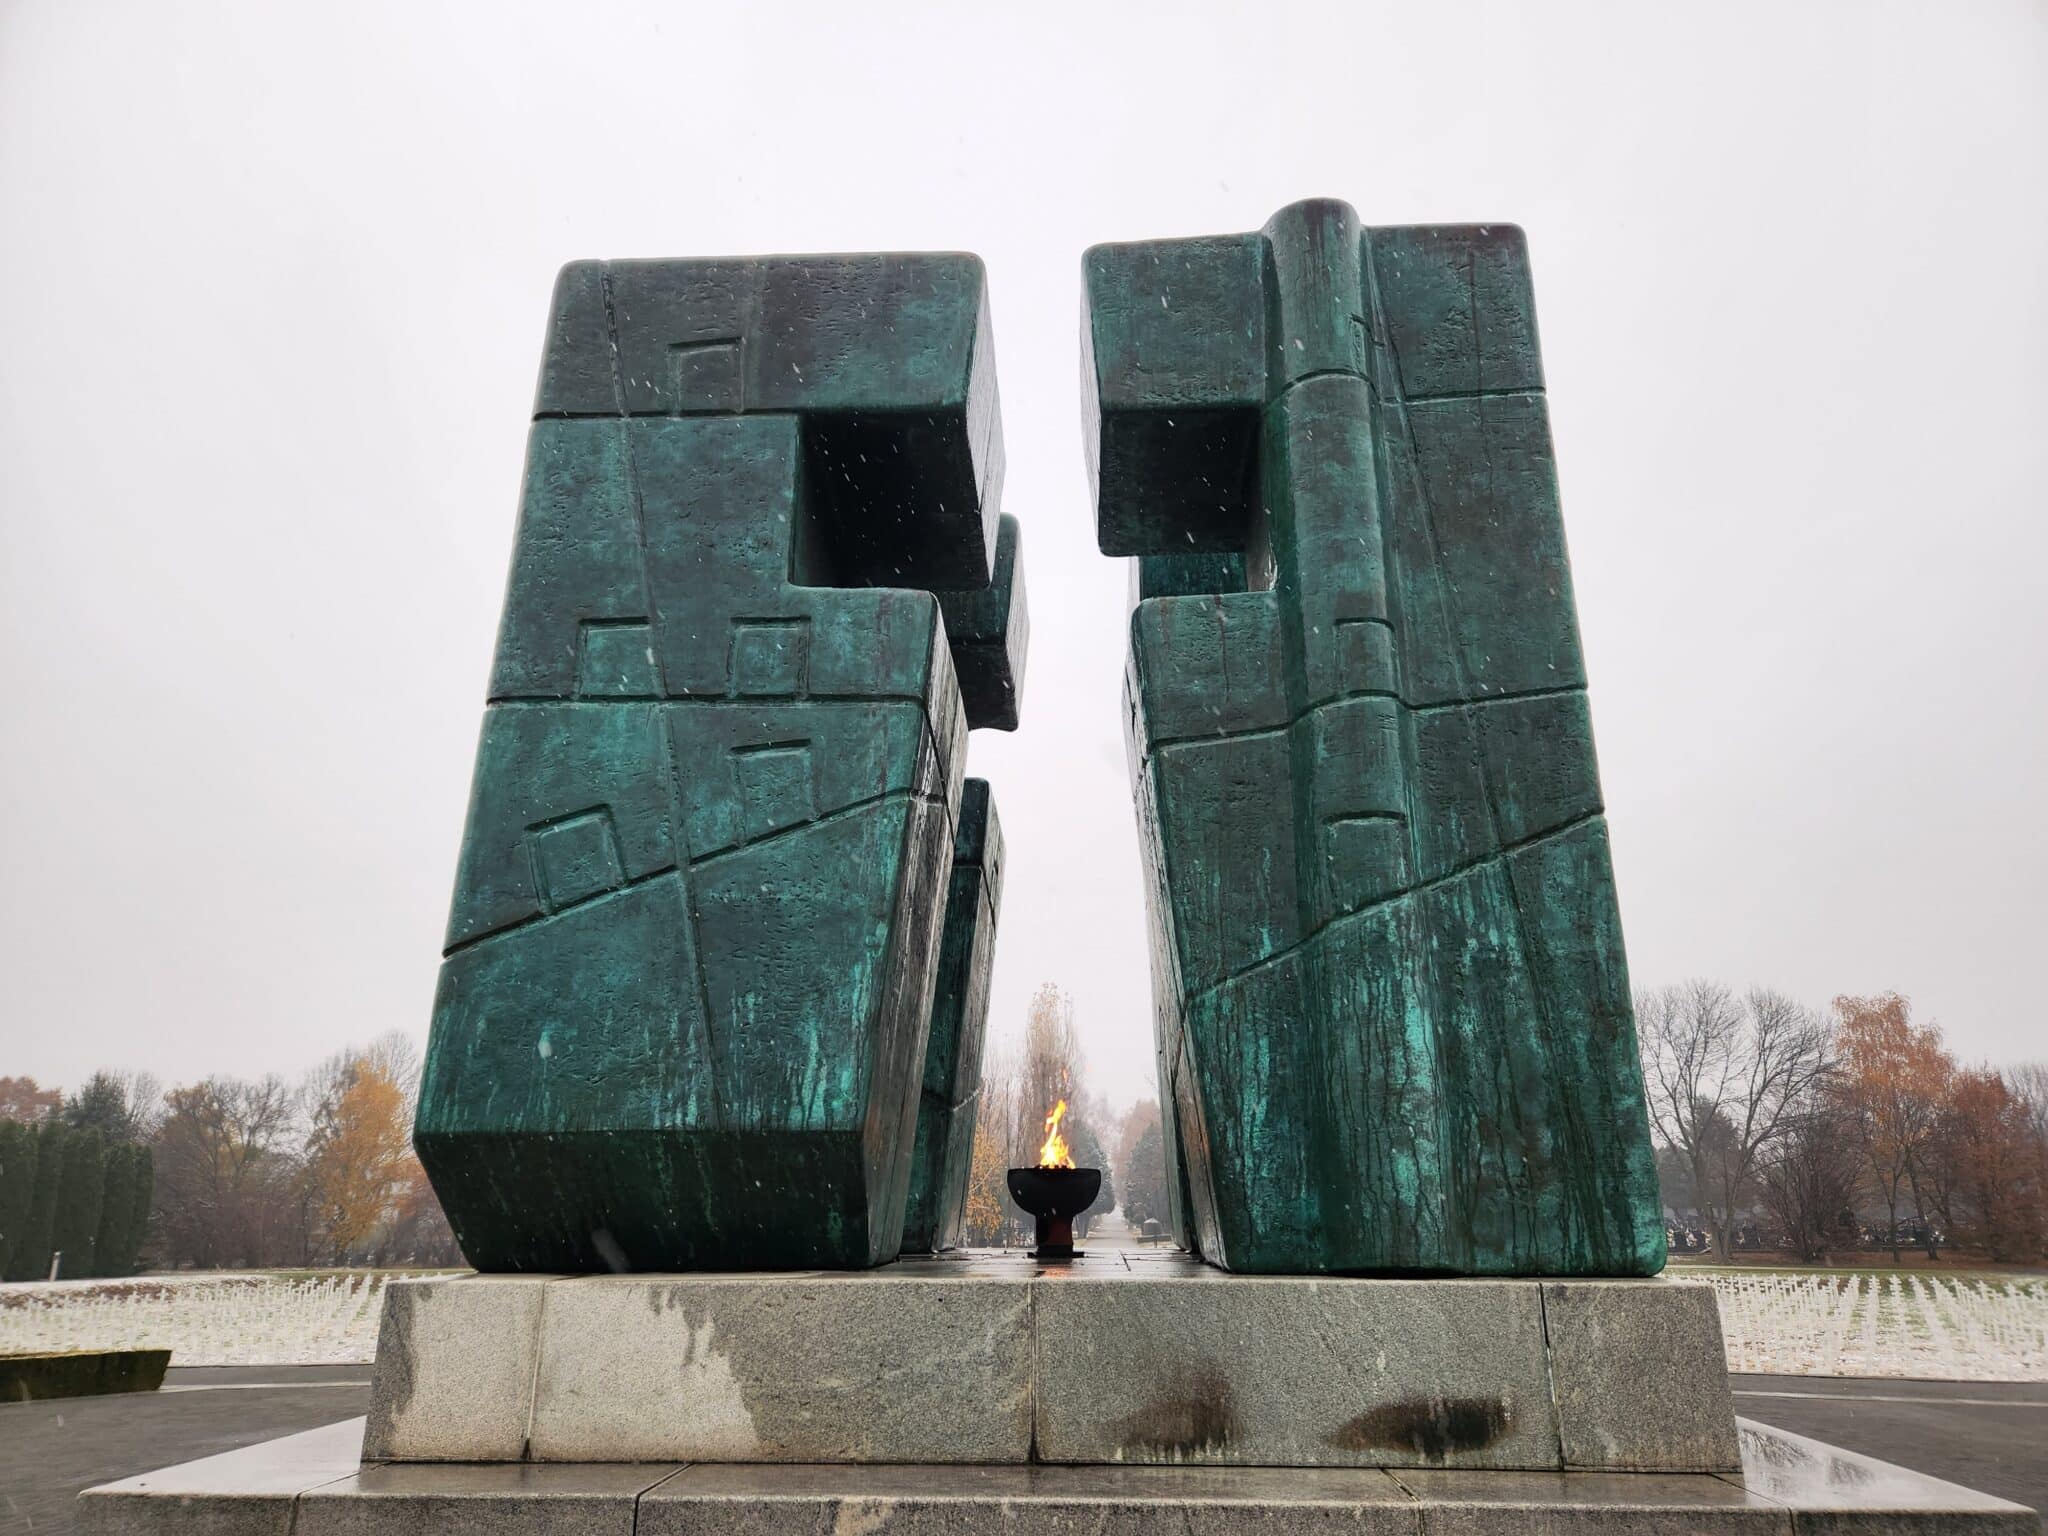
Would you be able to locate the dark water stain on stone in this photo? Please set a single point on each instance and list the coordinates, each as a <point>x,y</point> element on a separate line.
<point>1193,1413</point>
<point>396,1370</point>
<point>1430,1427</point>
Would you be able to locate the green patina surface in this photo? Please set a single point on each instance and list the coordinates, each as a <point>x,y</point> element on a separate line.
<point>696,937</point>
<point>1392,999</point>
<point>943,1154</point>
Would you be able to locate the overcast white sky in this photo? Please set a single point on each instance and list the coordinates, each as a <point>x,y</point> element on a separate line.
<point>272,285</point>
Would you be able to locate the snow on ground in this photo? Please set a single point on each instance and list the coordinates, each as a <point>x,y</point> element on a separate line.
<point>1890,1324</point>
<point>1774,1322</point>
<point>215,1319</point>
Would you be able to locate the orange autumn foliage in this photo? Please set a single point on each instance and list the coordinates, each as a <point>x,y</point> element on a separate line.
<point>1995,1165</point>
<point>357,1155</point>
<point>1894,1077</point>
<point>987,1188</point>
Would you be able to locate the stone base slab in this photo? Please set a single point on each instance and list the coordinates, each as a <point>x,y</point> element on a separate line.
<point>993,1359</point>
<point>315,1484</point>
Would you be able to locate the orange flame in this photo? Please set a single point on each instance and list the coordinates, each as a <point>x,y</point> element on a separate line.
<point>1055,1153</point>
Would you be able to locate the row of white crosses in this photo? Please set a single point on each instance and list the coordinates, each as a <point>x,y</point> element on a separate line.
<point>1927,1326</point>
<point>327,1320</point>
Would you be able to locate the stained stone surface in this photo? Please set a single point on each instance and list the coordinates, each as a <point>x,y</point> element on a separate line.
<point>455,1368</point>
<point>1392,999</point>
<point>1296,1373</point>
<point>695,937</point>
<point>1119,1358</point>
<point>1788,1486</point>
<point>783,1368</point>
<point>943,1155</point>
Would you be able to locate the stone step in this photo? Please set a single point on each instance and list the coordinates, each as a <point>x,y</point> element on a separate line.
<point>313,1485</point>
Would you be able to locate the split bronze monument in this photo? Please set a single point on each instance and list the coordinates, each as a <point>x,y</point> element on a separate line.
<point>701,1086</point>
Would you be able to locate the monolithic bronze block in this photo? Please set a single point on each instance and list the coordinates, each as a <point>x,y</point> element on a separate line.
<point>1392,1002</point>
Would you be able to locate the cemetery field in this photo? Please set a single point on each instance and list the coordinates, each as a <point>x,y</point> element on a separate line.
<point>1975,1274</point>
<point>1960,1325</point>
<point>236,1317</point>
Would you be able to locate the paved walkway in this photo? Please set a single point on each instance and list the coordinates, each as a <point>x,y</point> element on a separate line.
<point>50,1451</point>
<point>1110,1234</point>
<point>1991,1436</point>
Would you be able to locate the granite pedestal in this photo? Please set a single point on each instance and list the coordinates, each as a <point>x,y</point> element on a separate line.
<point>1128,1392</point>
<point>1116,1359</point>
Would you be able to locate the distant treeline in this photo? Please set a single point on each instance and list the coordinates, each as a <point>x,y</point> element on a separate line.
<point>1780,1127</point>
<point>225,1173</point>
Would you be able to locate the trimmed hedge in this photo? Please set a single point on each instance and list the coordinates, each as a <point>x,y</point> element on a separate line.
<point>65,1191</point>
<point>31,1260</point>
<point>130,1254</point>
<point>117,1197</point>
<point>81,1373</point>
<point>78,1202</point>
<point>18,1145</point>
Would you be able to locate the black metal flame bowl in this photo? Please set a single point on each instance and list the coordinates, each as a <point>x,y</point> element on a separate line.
<point>1053,1197</point>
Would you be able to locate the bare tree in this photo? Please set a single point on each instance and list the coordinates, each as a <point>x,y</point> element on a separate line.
<point>225,1169</point>
<point>1050,1069</point>
<point>1806,1176</point>
<point>394,1054</point>
<point>145,1091</point>
<point>1723,1075</point>
<point>2027,1081</point>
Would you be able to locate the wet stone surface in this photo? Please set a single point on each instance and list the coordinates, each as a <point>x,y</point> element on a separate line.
<point>1788,1487</point>
<point>1612,1412</point>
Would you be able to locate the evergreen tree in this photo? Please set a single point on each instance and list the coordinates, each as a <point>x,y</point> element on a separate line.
<point>144,1169</point>
<point>1144,1176</point>
<point>1087,1150</point>
<point>78,1201</point>
<point>101,1105</point>
<point>17,1189</point>
<point>117,1201</point>
<point>31,1260</point>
